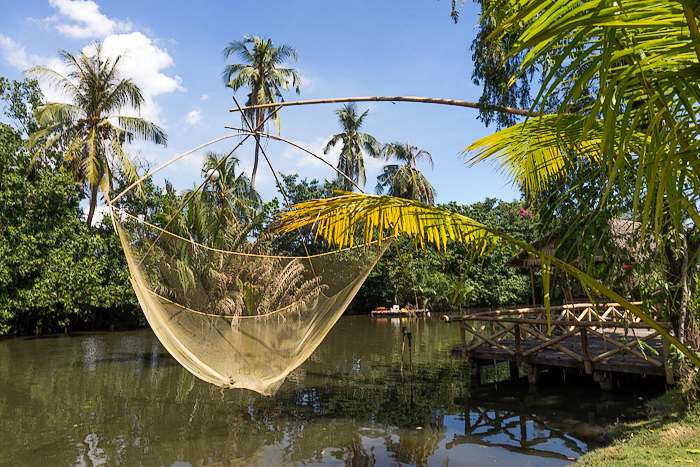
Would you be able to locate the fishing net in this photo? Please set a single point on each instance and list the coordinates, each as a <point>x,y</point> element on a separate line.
<point>228,310</point>
<point>238,319</point>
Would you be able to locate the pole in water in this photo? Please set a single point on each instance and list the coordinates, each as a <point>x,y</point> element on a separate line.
<point>410,353</point>
<point>403,347</point>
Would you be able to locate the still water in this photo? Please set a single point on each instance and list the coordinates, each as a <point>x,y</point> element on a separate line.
<point>120,399</point>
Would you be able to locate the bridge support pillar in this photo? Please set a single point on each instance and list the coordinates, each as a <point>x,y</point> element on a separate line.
<point>605,379</point>
<point>475,371</point>
<point>533,374</point>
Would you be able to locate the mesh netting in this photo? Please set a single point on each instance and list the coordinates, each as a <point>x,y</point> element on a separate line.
<point>238,319</point>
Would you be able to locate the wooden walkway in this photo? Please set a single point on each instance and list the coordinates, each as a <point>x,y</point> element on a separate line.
<point>600,339</point>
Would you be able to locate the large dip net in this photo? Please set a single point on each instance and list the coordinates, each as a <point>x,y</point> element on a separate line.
<point>223,305</point>
<point>238,319</point>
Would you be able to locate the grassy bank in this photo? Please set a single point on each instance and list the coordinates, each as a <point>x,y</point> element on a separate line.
<point>670,435</point>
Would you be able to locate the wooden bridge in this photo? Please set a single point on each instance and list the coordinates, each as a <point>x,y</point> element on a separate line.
<point>600,339</point>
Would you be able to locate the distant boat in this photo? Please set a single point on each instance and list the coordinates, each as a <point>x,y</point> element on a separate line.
<point>396,311</point>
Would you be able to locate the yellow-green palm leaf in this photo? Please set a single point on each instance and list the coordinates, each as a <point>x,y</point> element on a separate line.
<point>353,217</point>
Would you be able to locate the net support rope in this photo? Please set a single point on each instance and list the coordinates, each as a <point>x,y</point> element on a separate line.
<point>240,317</point>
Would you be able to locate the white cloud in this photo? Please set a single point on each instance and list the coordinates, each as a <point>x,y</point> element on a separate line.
<point>309,84</point>
<point>194,117</point>
<point>302,159</point>
<point>205,97</point>
<point>143,62</point>
<point>87,21</point>
<point>15,54</point>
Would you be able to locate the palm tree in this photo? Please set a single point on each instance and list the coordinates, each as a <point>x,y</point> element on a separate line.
<point>354,141</point>
<point>405,181</point>
<point>262,73</point>
<point>85,130</point>
<point>232,191</point>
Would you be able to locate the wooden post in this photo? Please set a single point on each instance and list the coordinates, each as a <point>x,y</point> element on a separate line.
<point>467,416</point>
<point>514,373</point>
<point>604,378</point>
<point>518,346</point>
<point>532,374</point>
<point>532,284</point>
<point>475,371</point>
<point>667,367</point>
<point>586,351</point>
<point>463,336</point>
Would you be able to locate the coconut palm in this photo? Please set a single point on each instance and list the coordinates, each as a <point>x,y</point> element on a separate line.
<point>87,131</point>
<point>350,162</point>
<point>232,191</point>
<point>405,181</point>
<point>260,71</point>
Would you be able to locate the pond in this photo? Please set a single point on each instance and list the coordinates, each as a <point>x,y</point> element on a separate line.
<point>120,399</point>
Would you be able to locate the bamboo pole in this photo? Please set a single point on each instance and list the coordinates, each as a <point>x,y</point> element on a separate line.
<point>422,100</point>
<point>518,346</point>
<point>553,343</point>
<point>496,336</point>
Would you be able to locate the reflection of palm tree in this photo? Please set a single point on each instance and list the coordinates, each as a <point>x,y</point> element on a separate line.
<point>405,181</point>
<point>232,192</point>
<point>261,72</point>
<point>354,141</point>
<point>91,142</point>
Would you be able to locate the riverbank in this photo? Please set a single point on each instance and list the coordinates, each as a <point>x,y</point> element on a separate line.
<point>670,435</point>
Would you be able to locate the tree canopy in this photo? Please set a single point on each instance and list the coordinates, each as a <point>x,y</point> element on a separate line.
<point>84,131</point>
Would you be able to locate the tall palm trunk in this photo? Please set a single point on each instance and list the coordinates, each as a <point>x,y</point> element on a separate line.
<point>259,119</point>
<point>93,203</point>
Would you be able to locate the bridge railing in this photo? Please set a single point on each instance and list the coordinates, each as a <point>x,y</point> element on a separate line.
<point>587,333</point>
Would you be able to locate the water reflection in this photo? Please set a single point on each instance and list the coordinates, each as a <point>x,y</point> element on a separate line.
<point>119,399</point>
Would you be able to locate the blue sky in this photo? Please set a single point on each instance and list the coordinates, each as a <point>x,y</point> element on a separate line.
<point>173,50</point>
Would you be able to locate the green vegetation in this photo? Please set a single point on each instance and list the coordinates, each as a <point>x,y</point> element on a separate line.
<point>58,273</point>
<point>55,271</point>
<point>618,122</point>
<point>443,280</point>
<point>90,144</point>
<point>668,436</point>
<point>617,108</point>
<point>610,142</point>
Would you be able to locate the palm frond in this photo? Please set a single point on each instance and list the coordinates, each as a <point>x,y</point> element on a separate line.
<point>343,219</point>
<point>143,130</point>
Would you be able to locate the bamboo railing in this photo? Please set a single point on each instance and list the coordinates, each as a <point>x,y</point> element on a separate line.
<point>587,335</point>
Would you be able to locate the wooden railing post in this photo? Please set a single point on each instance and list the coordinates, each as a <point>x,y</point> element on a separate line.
<point>518,346</point>
<point>586,351</point>
<point>463,332</point>
<point>667,366</point>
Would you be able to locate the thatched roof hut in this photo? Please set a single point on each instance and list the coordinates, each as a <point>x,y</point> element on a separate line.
<point>623,234</point>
